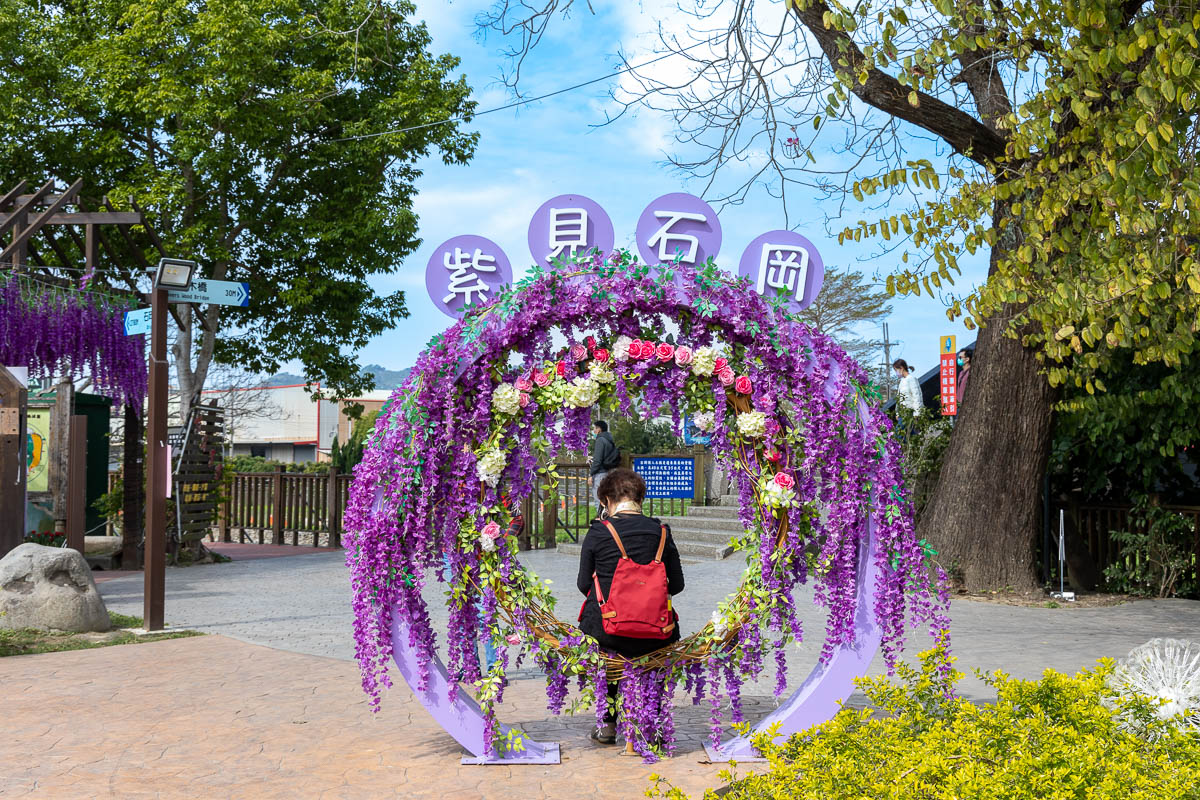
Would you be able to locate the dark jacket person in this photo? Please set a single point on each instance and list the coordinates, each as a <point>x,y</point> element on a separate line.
<point>622,492</point>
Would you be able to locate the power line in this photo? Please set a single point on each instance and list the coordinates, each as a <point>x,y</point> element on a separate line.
<point>517,103</point>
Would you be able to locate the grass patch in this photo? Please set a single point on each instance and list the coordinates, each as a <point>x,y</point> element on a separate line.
<point>28,641</point>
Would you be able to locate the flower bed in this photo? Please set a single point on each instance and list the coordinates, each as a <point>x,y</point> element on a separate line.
<point>514,384</point>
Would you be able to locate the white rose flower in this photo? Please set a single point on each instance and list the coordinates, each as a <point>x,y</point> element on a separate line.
<point>487,543</point>
<point>620,348</point>
<point>705,421</point>
<point>490,465</point>
<point>582,393</point>
<point>601,373</point>
<point>506,399</point>
<point>752,424</point>
<point>704,361</point>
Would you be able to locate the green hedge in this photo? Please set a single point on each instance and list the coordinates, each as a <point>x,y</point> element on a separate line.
<point>1052,739</point>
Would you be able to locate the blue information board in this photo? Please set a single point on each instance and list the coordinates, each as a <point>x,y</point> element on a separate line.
<point>667,477</point>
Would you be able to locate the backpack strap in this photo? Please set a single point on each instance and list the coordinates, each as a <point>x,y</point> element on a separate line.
<point>617,539</point>
<point>662,543</point>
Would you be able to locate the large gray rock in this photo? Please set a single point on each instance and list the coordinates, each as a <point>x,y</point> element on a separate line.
<point>49,588</point>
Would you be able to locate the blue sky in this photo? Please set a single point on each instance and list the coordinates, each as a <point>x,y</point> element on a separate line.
<point>552,147</point>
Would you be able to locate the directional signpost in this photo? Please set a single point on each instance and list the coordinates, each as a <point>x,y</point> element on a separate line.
<point>137,321</point>
<point>203,290</point>
<point>948,376</point>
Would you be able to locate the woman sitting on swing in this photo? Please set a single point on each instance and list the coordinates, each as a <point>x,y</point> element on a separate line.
<point>631,615</point>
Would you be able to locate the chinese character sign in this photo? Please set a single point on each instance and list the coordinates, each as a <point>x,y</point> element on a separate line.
<point>667,477</point>
<point>948,376</point>
<point>466,271</point>
<point>784,264</point>
<point>678,226</point>
<point>568,227</point>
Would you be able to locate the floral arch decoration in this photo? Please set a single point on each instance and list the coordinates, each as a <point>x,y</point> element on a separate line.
<point>496,397</point>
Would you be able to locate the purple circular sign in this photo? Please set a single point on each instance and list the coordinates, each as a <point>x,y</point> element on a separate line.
<point>784,261</point>
<point>569,226</point>
<point>465,271</point>
<point>678,225</point>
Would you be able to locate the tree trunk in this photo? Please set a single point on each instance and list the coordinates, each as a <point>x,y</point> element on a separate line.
<point>985,513</point>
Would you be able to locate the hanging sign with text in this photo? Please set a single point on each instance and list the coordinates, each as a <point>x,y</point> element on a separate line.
<point>667,478</point>
<point>676,228</point>
<point>948,376</point>
<point>223,293</point>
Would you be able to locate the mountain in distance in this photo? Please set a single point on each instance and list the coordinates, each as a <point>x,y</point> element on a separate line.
<point>384,378</point>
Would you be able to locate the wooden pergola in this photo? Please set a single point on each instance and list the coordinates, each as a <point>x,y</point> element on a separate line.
<point>43,231</point>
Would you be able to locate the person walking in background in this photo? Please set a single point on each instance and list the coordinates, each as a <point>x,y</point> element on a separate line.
<point>964,372</point>
<point>625,532</point>
<point>605,456</point>
<point>910,388</point>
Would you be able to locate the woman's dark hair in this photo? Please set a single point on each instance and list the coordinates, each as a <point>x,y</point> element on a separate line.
<point>601,424</point>
<point>900,363</point>
<point>622,484</point>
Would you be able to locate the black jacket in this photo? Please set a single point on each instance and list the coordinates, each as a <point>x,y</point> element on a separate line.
<point>604,452</point>
<point>640,536</point>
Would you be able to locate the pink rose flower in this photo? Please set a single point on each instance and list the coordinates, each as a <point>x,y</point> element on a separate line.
<point>647,350</point>
<point>513,639</point>
<point>720,364</point>
<point>524,400</point>
<point>683,356</point>
<point>560,368</point>
<point>493,531</point>
<point>541,379</point>
<point>784,481</point>
<point>665,352</point>
<point>635,349</point>
<point>774,456</point>
<point>523,384</point>
<point>601,355</point>
<point>726,376</point>
<point>578,352</point>
<point>590,342</point>
<point>742,385</point>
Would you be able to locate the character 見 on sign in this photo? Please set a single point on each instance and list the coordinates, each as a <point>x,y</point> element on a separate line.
<point>568,231</point>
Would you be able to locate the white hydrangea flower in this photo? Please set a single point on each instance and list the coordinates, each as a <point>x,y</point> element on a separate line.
<point>720,627</point>
<point>487,543</point>
<point>1166,670</point>
<point>506,399</point>
<point>620,348</point>
<point>752,424</point>
<point>776,496</point>
<point>705,421</point>
<point>490,465</point>
<point>582,393</point>
<point>601,372</point>
<point>704,361</point>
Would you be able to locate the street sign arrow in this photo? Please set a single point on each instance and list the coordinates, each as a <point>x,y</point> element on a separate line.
<point>203,290</point>
<point>137,321</point>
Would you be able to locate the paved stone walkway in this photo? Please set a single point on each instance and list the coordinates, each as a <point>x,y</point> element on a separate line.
<point>302,604</point>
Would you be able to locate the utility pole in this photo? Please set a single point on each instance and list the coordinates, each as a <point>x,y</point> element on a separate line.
<point>887,361</point>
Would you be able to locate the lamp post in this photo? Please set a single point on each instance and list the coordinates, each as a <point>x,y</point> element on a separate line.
<point>173,273</point>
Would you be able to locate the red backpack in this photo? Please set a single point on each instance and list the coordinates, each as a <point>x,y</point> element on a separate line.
<point>638,605</point>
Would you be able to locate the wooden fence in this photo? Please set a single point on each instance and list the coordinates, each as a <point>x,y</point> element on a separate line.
<point>1094,524</point>
<point>296,508</point>
<point>306,508</point>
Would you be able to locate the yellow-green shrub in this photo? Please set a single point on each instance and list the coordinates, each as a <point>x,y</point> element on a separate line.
<point>1050,739</point>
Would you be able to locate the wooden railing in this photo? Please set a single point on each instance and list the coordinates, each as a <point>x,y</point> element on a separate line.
<point>306,508</point>
<point>1095,524</point>
<point>280,507</point>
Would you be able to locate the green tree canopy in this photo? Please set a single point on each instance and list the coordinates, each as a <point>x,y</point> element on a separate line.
<point>236,125</point>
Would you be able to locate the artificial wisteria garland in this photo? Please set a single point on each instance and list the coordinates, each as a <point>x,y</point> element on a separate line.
<point>63,333</point>
<point>498,396</point>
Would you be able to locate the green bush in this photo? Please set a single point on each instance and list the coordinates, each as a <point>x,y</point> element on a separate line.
<point>1051,739</point>
<point>1157,556</point>
<point>244,464</point>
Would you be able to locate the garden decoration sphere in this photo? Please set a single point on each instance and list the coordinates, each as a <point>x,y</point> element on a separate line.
<point>1167,672</point>
<point>500,394</point>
